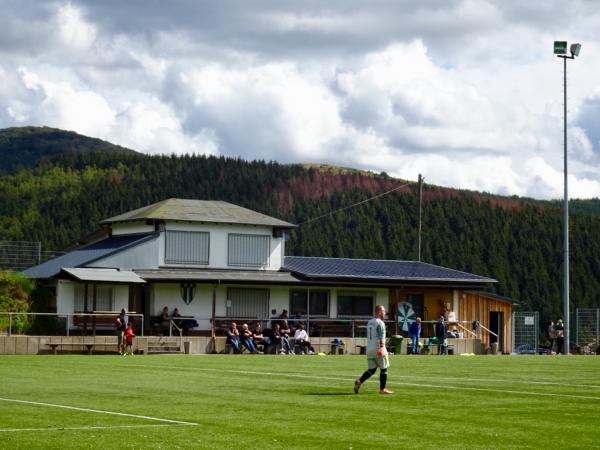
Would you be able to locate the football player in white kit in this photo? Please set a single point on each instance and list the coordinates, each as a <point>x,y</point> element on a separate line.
<point>377,355</point>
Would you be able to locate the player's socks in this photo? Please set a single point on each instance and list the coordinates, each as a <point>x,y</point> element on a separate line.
<point>357,384</point>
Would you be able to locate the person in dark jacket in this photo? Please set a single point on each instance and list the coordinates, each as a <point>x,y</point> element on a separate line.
<point>233,337</point>
<point>441,330</point>
<point>415,333</point>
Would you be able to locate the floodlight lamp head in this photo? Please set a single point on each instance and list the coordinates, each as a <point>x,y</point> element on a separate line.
<point>560,47</point>
<point>575,49</point>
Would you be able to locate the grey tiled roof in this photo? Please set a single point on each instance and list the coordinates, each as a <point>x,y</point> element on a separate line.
<point>86,254</point>
<point>377,270</point>
<point>199,211</point>
<point>223,276</point>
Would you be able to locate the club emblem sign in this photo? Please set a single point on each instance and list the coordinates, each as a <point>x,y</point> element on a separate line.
<point>188,291</point>
<point>406,315</point>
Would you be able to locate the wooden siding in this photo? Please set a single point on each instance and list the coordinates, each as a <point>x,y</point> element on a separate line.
<point>471,307</point>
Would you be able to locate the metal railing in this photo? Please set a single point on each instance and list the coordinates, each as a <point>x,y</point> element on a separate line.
<point>316,327</point>
<point>353,327</point>
<point>68,318</point>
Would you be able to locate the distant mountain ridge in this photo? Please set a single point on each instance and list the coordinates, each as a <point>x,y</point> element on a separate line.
<point>24,147</point>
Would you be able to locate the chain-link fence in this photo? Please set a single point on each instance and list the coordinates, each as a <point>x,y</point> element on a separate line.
<point>20,255</point>
<point>587,336</point>
<point>525,332</point>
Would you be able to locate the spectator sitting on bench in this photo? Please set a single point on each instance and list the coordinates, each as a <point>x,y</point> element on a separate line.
<point>246,338</point>
<point>284,330</point>
<point>301,339</point>
<point>233,337</point>
<point>258,337</point>
<point>274,337</point>
<point>175,314</point>
<point>184,324</point>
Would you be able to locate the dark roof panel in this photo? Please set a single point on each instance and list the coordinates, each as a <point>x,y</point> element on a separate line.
<point>86,255</point>
<point>320,268</point>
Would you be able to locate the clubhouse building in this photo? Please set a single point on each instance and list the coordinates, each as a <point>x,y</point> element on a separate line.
<point>216,262</point>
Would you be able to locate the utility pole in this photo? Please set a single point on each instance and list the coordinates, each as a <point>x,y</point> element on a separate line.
<point>420,215</point>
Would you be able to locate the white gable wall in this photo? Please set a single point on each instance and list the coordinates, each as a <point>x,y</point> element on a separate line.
<point>131,228</point>
<point>142,256</point>
<point>219,241</point>
<point>151,254</point>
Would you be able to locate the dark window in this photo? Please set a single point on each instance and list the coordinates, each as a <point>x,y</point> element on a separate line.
<point>416,300</point>
<point>319,303</point>
<point>355,303</point>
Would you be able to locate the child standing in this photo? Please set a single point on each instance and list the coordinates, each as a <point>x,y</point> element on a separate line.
<point>129,335</point>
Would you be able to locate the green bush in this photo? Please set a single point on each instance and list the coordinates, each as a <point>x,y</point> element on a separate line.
<point>14,297</point>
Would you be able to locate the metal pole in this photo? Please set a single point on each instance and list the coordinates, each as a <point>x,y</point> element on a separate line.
<point>597,326</point>
<point>214,312</point>
<point>565,221</point>
<point>420,214</point>
<point>308,310</point>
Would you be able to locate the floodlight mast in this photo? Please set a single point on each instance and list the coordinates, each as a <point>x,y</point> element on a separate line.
<point>560,50</point>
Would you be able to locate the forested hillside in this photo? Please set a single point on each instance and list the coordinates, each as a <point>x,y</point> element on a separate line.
<point>517,241</point>
<point>24,147</point>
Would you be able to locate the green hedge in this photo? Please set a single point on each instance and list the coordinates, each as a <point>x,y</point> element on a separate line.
<point>14,297</point>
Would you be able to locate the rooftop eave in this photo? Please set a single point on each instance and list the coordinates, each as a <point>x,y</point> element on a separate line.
<point>395,280</point>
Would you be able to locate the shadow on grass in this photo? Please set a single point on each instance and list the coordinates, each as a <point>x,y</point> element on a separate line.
<point>330,393</point>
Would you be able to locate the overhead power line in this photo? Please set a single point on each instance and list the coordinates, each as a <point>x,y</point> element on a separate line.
<point>331,213</point>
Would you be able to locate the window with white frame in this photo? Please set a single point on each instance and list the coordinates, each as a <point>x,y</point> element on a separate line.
<point>104,298</point>
<point>187,247</point>
<point>248,250</point>
<point>355,303</point>
<point>248,303</point>
<point>319,303</point>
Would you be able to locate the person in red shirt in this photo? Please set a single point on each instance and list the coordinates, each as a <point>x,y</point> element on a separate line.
<point>129,335</point>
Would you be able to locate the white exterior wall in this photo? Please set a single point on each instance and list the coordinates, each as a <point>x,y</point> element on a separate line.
<point>131,228</point>
<point>121,297</point>
<point>65,295</point>
<point>219,241</point>
<point>143,256</point>
<point>168,294</point>
<point>279,299</point>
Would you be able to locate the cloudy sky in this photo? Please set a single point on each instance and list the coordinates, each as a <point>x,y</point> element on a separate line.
<point>467,93</point>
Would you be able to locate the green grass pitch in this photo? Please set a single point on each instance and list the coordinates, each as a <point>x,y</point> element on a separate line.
<point>261,402</point>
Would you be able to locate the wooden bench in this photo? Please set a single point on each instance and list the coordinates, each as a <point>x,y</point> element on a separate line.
<point>90,346</point>
<point>429,344</point>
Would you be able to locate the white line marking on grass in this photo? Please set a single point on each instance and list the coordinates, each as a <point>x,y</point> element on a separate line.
<point>417,377</point>
<point>99,411</point>
<point>154,425</point>
<point>397,383</point>
<point>500,380</point>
